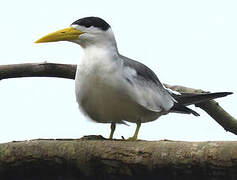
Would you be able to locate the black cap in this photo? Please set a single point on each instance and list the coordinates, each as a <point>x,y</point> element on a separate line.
<point>93,21</point>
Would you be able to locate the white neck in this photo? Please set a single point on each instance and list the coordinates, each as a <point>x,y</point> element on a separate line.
<point>101,40</point>
<point>99,48</point>
<point>102,47</point>
<point>100,54</point>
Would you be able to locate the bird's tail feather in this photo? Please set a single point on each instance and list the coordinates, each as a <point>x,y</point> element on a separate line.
<point>190,98</point>
<point>186,99</point>
<point>179,108</point>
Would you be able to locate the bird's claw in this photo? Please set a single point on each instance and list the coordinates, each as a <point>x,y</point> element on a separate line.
<point>132,139</point>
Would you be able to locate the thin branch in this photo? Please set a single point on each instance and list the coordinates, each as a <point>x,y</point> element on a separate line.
<point>68,71</point>
<point>228,122</point>
<point>43,69</point>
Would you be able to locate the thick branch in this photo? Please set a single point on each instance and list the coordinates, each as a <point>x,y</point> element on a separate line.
<point>105,159</point>
<point>45,69</point>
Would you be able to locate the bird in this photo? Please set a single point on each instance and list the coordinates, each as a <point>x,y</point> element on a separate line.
<point>112,88</point>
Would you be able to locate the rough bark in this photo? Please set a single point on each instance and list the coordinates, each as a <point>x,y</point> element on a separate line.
<point>98,158</point>
<point>45,69</point>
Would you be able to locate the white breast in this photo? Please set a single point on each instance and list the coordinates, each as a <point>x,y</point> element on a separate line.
<point>104,94</point>
<point>96,88</point>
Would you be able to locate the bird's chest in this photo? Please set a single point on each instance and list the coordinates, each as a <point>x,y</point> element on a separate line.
<point>93,81</point>
<point>97,89</point>
<point>96,76</point>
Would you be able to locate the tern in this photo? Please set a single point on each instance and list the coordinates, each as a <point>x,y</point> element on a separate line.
<point>111,88</point>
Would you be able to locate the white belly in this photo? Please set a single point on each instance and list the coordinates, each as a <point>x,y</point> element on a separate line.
<point>102,96</point>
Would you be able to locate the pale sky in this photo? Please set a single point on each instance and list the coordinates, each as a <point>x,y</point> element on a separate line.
<point>190,43</point>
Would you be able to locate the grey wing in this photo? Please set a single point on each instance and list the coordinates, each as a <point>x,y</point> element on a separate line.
<point>147,90</point>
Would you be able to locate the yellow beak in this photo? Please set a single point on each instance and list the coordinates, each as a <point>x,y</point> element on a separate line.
<point>67,34</point>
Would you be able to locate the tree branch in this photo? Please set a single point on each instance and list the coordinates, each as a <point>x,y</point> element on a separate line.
<point>118,159</point>
<point>45,69</point>
<point>228,122</point>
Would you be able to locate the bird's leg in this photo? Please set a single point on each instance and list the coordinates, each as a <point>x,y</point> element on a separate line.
<point>112,127</point>
<point>134,138</point>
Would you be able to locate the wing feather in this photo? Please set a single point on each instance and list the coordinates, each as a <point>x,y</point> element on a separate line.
<point>148,89</point>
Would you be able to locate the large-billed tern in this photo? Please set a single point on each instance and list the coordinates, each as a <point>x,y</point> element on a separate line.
<point>111,88</point>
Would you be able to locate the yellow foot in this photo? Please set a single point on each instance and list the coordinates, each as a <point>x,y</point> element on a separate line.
<point>132,139</point>
<point>112,127</point>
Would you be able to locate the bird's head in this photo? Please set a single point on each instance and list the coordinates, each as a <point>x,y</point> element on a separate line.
<point>89,31</point>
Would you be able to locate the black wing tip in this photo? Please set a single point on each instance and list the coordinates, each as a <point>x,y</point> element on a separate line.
<point>179,108</point>
<point>228,93</point>
<point>223,94</point>
<point>195,113</point>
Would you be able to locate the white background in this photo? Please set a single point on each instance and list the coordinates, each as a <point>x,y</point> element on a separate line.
<point>190,43</point>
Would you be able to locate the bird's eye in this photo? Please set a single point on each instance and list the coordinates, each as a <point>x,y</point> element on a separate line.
<point>87,25</point>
